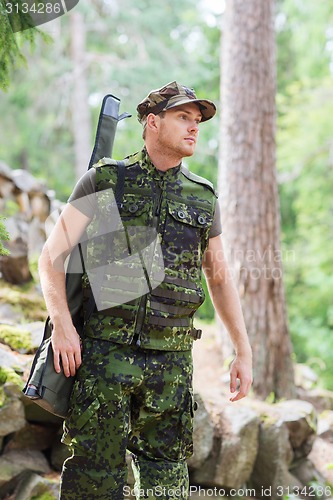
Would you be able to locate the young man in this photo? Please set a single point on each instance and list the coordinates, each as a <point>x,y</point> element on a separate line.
<point>134,365</point>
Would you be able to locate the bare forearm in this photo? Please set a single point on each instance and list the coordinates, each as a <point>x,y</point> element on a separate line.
<point>227,305</point>
<point>52,281</point>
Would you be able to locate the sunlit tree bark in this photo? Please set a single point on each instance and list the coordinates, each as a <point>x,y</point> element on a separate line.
<point>248,188</point>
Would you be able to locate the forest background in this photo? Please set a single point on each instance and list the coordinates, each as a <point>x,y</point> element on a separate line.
<point>49,116</point>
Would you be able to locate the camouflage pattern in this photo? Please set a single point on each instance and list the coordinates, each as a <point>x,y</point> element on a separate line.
<point>180,207</point>
<point>171,95</point>
<point>129,397</point>
<point>134,387</point>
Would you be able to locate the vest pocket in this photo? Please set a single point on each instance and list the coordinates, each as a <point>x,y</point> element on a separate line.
<point>187,233</point>
<point>134,206</point>
<point>196,216</point>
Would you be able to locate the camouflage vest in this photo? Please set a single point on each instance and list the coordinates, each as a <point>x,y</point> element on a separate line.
<point>150,284</point>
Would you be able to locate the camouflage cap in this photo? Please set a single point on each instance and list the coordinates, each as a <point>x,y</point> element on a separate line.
<point>170,96</point>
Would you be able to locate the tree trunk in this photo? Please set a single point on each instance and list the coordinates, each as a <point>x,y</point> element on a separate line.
<point>80,107</point>
<point>248,189</point>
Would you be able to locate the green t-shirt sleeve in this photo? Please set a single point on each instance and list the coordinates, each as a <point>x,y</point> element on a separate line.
<point>83,196</point>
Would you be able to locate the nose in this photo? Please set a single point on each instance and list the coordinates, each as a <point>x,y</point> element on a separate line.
<point>194,126</point>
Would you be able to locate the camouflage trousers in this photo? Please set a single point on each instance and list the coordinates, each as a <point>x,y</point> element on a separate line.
<point>128,398</point>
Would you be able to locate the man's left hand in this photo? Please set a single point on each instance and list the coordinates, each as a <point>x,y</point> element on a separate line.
<point>241,369</point>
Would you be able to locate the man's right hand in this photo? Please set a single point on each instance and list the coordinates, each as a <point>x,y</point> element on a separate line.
<point>66,350</point>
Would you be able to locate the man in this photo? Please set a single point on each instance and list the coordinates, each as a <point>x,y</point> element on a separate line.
<point>134,372</point>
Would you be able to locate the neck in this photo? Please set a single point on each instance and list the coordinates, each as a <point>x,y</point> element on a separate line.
<point>162,160</point>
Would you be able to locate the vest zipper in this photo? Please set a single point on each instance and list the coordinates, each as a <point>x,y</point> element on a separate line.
<point>157,206</point>
<point>143,301</point>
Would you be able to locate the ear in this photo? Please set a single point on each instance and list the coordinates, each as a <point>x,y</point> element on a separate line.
<point>153,122</point>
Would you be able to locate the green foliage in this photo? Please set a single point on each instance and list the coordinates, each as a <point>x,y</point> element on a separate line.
<point>10,43</point>
<point>9,47</point>
<point>206,311</point>
<point>305,132</point>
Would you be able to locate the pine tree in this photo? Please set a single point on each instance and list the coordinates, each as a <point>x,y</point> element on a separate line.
<point>248,189</point>
<point>13,35</point>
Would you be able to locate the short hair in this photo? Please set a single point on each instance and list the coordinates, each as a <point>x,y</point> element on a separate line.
<point>161,114</point>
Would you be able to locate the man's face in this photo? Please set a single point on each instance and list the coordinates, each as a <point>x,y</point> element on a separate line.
<point>179,129</point>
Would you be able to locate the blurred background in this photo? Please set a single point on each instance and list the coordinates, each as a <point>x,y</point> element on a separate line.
<point>49,115</point>
<point>53,81</point>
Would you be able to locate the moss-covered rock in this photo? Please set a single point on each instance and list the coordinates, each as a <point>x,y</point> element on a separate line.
<point>24,298</point>
<point>8,375</point>
<point>16,338</point>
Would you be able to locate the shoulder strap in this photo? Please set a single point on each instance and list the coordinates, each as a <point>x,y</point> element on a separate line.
<point>119,194</point>
<point>196,178</point>
<point>119,191</point>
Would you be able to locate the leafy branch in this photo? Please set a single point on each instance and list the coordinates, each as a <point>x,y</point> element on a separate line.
<point>13,35</point>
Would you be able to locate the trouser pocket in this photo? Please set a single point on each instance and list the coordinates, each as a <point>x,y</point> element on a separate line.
<point>186,426</point>
<point>81,425</point>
